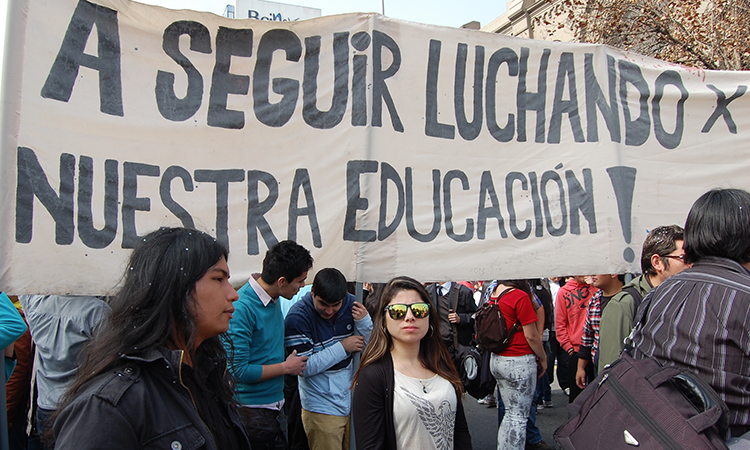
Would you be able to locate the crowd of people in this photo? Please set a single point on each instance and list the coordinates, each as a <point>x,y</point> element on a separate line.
<point>178,358</point>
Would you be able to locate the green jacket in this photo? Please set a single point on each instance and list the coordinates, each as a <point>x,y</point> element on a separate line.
<point>617,321</point>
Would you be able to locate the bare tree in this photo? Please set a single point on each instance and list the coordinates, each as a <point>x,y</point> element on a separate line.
<point>710,34</point>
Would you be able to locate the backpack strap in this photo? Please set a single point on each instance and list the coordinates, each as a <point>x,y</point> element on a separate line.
<point>513,330</point>
<point>503,293</point>
<point>638,321</point>
<point>636,294</point>
<point>516,325</point>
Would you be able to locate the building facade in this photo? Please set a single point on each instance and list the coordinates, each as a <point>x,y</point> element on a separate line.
<point>533,19</point>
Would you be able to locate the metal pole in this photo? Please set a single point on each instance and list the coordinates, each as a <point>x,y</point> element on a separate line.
<point>355,364</point>
<point>382,7</point>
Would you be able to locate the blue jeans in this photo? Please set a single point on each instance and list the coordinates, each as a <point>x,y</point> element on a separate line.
<point>35,440</point>
<point>543,388</point>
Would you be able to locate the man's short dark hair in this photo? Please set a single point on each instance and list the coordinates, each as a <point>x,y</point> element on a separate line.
<point>330,285</point>
<point>660,241</point>
<point>719,225</point>
<point>286,259</point>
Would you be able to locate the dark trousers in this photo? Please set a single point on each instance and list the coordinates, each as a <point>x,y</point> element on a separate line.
<point>17,438</point>
<point>573,368</point>
<point>293,409</point>
<point>265,428</point>
<point>562,363</point>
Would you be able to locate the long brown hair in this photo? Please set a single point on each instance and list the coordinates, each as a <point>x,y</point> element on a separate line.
<point>433,354</point>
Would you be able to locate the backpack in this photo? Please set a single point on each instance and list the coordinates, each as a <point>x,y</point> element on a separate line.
<point>492,332</point>
<point>473,367</point>
<point>646,405</point>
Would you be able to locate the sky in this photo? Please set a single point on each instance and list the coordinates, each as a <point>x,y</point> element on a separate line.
<point>449,13</point>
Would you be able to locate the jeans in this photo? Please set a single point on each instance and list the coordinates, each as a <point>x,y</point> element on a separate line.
<point>543,388</point>
<point>516,381</point>
<point>35,438</point>
<point>533,433</point>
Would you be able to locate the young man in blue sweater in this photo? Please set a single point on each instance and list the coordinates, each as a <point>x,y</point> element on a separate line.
<point>255,344</point>
<point>328,326</point>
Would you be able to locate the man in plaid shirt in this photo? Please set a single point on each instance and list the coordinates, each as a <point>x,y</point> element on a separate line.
<point>609,286</point>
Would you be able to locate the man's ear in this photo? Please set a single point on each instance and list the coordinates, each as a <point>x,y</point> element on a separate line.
<point>657,263</point>
<point>281,282</point>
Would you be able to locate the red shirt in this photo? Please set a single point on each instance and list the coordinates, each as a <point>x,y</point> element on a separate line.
<point>571,309</point>
<point>516,306</point>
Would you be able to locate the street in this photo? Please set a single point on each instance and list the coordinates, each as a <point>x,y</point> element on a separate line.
<point>483,420</point>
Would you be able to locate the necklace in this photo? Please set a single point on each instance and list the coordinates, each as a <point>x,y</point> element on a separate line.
<point>424,386</point>
<point>409,374</point>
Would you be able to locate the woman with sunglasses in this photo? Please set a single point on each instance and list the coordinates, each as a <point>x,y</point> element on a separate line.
<point>407,393</point>
<point>519,365</point>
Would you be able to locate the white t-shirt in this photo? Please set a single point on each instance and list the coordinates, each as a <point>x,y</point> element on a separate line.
<point>424,412</point>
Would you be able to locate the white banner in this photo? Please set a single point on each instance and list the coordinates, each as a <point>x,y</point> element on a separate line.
<point>385,147</point>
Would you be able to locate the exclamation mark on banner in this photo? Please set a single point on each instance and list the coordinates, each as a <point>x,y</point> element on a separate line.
<point>623,181</point>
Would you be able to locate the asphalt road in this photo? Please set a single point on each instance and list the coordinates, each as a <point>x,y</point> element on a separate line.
<point>483,420</point>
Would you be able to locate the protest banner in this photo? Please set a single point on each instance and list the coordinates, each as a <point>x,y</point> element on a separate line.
<point>385,147</point>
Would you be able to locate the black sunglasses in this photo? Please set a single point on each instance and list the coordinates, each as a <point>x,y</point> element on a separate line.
<point>397,311</point>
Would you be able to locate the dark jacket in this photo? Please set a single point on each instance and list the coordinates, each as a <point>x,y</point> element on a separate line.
<point>465,308</point>
<point>373,410</point>
<point>544,296</point>
<point>141,403</point>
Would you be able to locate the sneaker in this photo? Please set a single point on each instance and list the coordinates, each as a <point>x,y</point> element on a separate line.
<point>541,445</point>
<point>483,401</point>
<point>539,406</point>
<point>491,401</point>
<point>567,391</point>
<point>548,404</point>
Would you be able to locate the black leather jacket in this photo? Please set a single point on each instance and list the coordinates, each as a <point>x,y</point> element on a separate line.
<point>142,404</point>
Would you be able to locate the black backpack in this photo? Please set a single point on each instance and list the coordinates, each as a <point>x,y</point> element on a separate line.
<point>474,368</point>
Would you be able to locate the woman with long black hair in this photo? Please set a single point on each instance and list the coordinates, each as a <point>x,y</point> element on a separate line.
<point>155,376</point>
<point>407,392</point>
